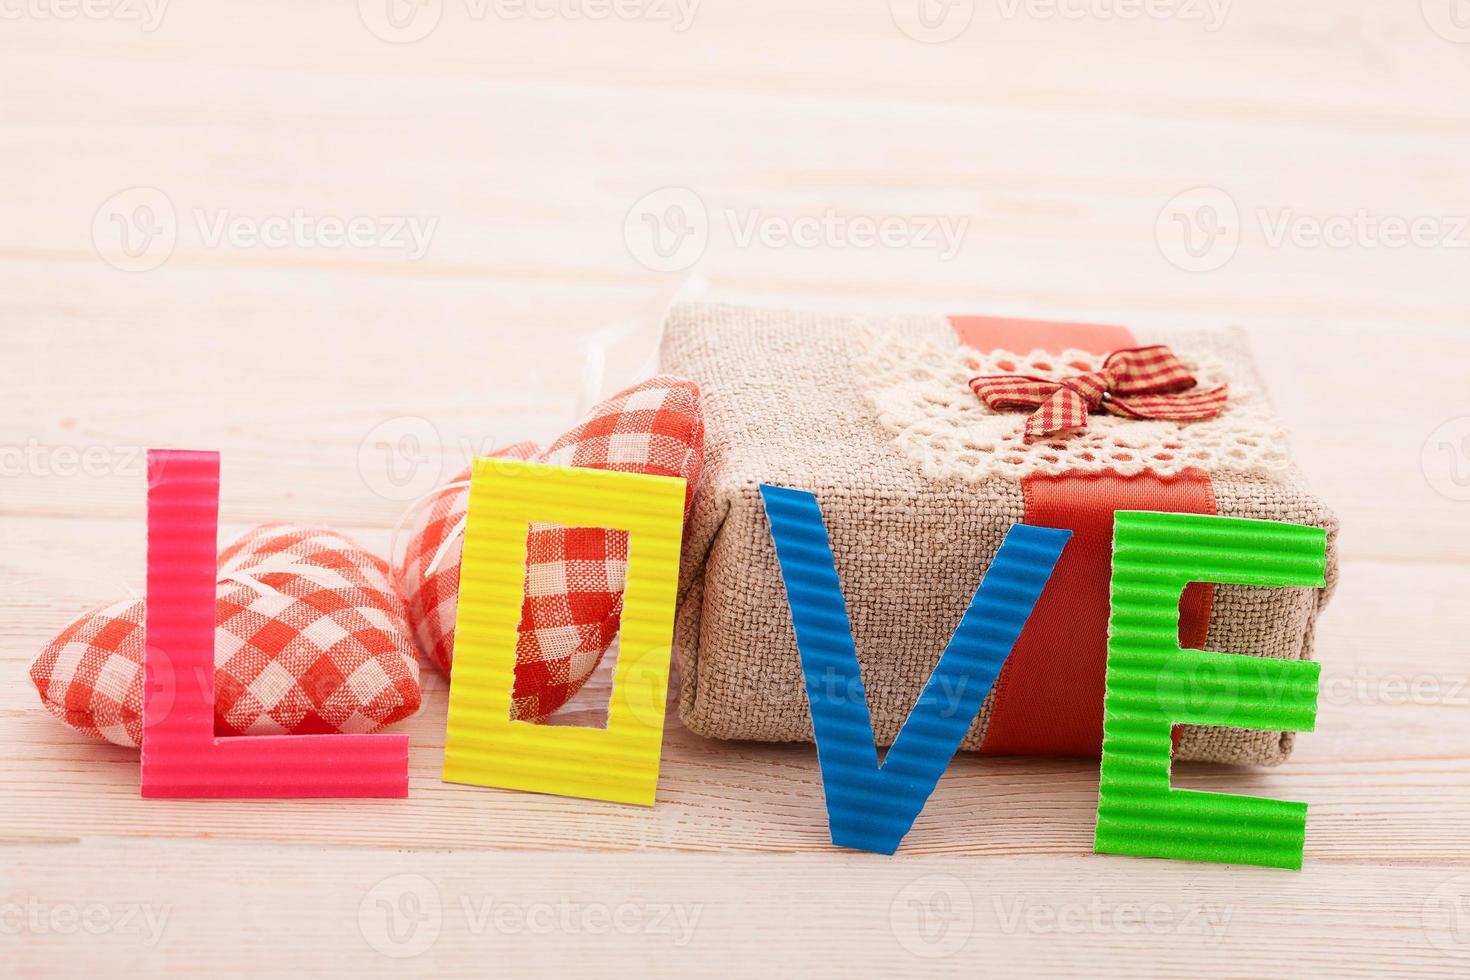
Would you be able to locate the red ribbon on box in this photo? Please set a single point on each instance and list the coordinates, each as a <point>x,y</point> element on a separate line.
<point>1048,699</point>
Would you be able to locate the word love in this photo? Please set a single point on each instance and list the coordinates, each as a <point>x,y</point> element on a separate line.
<point>1152,683</point>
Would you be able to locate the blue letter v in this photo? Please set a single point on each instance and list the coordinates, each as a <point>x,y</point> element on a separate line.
<point>870,807</point>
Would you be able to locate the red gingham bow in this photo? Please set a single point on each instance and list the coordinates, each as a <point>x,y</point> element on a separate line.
<point>1136,383</point>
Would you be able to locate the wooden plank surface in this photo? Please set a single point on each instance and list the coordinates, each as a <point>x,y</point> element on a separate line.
<point>520,146</point>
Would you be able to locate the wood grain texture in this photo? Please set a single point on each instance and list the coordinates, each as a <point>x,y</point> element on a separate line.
<point>1058,140</point>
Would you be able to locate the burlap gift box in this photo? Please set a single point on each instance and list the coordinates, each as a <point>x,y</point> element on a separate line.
<point>918,482</point>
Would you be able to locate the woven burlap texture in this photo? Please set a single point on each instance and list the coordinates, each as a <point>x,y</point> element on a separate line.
<point>783,405</point>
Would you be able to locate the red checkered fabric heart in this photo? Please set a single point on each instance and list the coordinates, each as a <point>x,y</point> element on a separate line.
<point>574,576</point>
<point>310,638</point>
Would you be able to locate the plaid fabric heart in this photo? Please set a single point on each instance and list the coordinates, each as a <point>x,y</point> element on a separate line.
<point>574,576</point>
<point>310,638</point>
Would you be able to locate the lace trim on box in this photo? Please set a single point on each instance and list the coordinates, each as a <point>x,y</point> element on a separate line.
<point>920,389</point>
